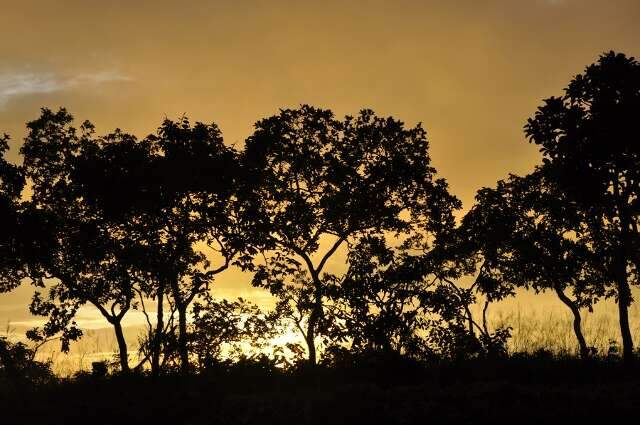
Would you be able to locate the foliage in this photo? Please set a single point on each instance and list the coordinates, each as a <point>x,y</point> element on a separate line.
<point>588,141</point>
<point>17,365</point>
<point>180,199</point>
<point>525,234</point>
<point>236,330</point>
<point>12,241</point>
<point>319,179</point>
<point>89,259</point>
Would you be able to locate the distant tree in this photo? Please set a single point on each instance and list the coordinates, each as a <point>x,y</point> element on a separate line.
<point>229,330</point>
<point>522,234</point>
<point>295,303</point>
<point>396,301</point>
<point>382,303</point>
<point>588,141</point>
<point>322,182</point>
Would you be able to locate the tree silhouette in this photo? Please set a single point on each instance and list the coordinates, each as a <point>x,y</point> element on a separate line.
<point>91,259</point>
<point>117,222</point>
<point>12,232</point>
<point>588,141</point>
<point>223,329</point>
<point>323,182</point>
<point>204,208</point>
<point>177,190</point>
<point>397,304</point>
<point>523,234</point>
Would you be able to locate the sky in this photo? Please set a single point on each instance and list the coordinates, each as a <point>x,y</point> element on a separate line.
<point>471,71</point>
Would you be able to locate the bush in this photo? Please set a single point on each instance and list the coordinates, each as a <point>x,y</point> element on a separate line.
<point>17,365</point>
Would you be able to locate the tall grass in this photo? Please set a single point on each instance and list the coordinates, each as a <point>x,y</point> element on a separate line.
<point>537,325</point>
<point>95,345</point>
<point>552,329</point>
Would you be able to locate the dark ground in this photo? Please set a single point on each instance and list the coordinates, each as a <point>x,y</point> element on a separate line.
<point>499,392</point>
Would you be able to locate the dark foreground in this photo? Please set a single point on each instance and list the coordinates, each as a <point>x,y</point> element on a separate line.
<point>508,391</point>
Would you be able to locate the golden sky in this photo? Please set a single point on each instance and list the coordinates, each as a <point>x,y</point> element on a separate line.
<point>472,71</point>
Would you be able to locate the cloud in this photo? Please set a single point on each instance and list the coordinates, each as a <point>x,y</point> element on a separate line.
<point>17,84</point>
<point>88,317</point>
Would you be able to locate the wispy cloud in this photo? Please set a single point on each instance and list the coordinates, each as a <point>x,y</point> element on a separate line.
<point>87,317</point>
<point>17,84</point>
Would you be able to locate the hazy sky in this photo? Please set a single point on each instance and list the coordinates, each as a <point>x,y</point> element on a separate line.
<point>472,71</point>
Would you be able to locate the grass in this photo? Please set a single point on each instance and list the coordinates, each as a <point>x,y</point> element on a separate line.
<point>552,329</point>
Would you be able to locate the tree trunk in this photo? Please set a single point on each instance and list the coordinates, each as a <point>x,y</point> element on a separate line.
<point>313,322</point>
<point>577,322</point>
<point>624,299</point>
<point>485,326</point>
<point>157,337</point>
<point>624,292</point>
<point>470,321</point>
<point>311,343</point>
<point>122,347</point>
<point>183,350</point>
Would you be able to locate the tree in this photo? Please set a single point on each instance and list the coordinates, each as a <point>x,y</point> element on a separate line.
<point>384,305</point>
<point>322,182</point>
<point>587,138</point>
<point>89,258</point>
<point>229,329</point>
<point>296,302</point>
<point>179,195</point>
<point>12,262</point>
<point>205,207</point>
<point>522,234</point>
<point>394,302</point>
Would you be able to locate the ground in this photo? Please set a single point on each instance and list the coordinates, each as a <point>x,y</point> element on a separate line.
<point>506,391</point>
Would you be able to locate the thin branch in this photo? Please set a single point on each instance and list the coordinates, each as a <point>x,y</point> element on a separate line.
<point>330,253</point>
<point>35,349</point>
<point>144,309</point>
<point>484,317</point>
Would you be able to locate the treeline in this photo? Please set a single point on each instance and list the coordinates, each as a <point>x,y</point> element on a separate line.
<point>123,224</point>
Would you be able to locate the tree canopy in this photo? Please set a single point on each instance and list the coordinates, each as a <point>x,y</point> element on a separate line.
<point>323,179</point>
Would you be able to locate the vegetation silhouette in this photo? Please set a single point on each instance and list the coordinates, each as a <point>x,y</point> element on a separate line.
<point>589,151</point>
<point>126,224</point>
<point>318,177</point>
<point>522,233</point>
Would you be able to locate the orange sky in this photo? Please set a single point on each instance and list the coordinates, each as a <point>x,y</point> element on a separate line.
<point>472,71</point>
